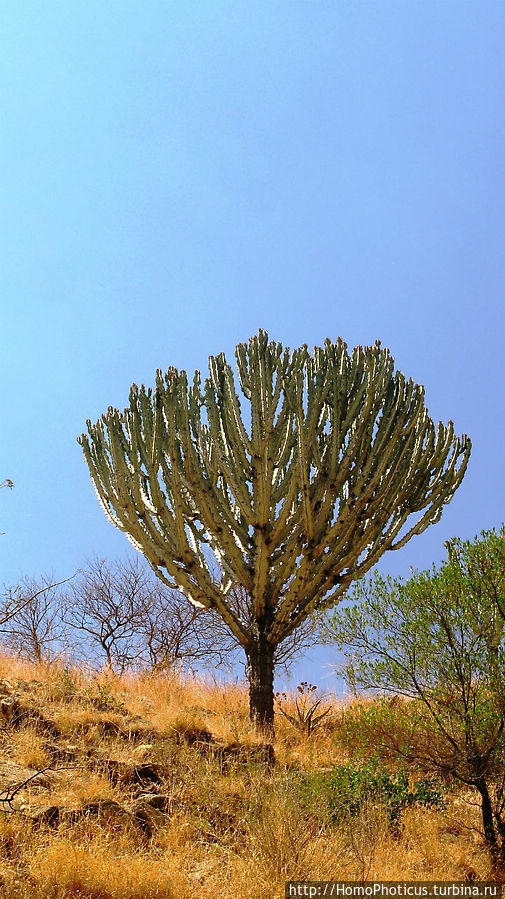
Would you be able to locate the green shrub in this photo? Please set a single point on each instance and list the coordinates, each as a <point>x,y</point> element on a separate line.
<point>384,730</point>
<point>100,695</point>
<point>347,790</point>
<point>436,644</point>
<point>65,685</point>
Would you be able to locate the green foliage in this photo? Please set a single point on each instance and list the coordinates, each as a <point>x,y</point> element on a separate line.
<point>348,789</point>
<point>439,641</point>
<point>65,685</point>
<point>99,694</point>
<point>382,729</point>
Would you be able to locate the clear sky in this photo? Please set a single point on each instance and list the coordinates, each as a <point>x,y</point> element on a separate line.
<point>176,175</point>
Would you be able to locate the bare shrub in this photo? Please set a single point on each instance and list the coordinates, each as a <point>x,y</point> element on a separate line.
<point>133,621</point>
<point>31,622</point>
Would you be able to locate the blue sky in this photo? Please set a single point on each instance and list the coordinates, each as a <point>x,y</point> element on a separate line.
<point>176,175</point>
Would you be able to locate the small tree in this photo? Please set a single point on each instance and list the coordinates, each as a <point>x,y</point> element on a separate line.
<point>31,619</point>
<point>339,453</point>
<point>174,632</point>
<point>438,639</point>
<point>104,605</point>
<point>132,620</point>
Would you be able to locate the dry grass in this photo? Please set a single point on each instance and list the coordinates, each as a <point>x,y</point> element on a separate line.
<point>28,748</point>
<point>237,830</point>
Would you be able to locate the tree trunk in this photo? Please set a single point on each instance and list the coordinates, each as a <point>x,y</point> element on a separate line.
<point>500,825</point>
<point>260,672</point>
<point>487,816</point>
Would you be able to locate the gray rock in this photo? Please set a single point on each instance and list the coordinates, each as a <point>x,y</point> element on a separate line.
<point>109,813</point>
<point>158,801</point>
<point>11,710</point>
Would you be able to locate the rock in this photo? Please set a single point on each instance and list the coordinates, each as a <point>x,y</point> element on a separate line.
<point>159,801</point>
<point>152,772</point>
<point>12,776</point>
<point>109,812</point>
<point>29,685</point>
<point>104,807</point>
<point>142,749</point>
<point>128,773</point>
<point>192,735</point>
<point>6,688</point>
<point>14,713</point>
<point>70,815</point>
<point>43,724</point>
<point>45,815</point>
<point>11,710</point>
<point>244,754</point>
<point>145,817</point>
<point>15,806</point>
<point>149,817</point>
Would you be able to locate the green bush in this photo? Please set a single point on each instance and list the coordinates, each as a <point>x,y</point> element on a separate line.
<point>65,685</point>
<point>385,730</point>
<point>99,694</point>
<point>435,644</point>
<point>347,790</point>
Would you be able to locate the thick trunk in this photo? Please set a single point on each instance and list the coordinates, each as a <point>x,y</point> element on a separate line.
<point>260,672</point>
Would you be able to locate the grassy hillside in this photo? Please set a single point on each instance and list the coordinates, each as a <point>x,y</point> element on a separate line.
<point>156,786</point>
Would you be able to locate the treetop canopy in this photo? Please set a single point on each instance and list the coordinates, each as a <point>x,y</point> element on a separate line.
<point>296,499</point>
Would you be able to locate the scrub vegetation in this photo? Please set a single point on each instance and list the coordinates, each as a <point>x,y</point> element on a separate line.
<point>157,785</point>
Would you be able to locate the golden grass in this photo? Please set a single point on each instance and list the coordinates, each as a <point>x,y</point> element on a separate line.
<point>28,748</point>
<point>237,832</point>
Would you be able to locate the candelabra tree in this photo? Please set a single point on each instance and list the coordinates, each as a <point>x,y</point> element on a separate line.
<point>295,500</point>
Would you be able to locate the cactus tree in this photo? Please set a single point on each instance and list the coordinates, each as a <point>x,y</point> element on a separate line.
<point>336,461</point>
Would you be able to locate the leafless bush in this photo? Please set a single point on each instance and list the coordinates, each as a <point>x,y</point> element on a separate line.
<point>119,614</point>
<point>173,631</point>
<point>31,622</point>
<point>133,621</point>
<point>103,608</point>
